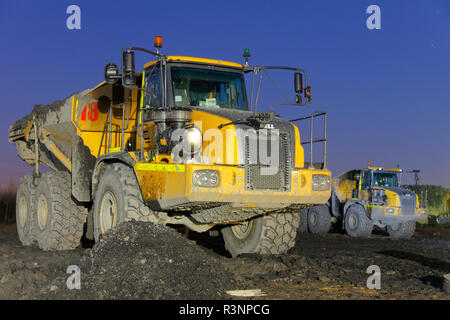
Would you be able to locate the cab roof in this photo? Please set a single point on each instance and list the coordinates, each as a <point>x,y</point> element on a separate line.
<point>198,60</point>
<point>383,169</point>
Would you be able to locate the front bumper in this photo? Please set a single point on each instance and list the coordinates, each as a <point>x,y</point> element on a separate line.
<point>165,186</point>
<point>392,215</point>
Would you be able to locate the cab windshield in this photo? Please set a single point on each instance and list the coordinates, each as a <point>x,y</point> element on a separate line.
<point>383,179</point>
<point>208,88</point>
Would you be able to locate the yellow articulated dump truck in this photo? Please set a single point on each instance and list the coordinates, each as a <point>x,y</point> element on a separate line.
<point>362,199</point>
<point>177,144</point>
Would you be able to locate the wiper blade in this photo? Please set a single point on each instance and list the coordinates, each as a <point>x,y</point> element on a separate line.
<point>244,120</point>
<point>255,120</point>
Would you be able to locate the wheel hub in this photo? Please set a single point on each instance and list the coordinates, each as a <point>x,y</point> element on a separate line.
<point>313,219</point>
<point>243,230</point>
<point>42,212</point>
<point>352,221</point>
<point>108,211</point>
<point>23,211</point>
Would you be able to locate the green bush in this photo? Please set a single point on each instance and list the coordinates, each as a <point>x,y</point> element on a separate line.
<point>436,198</point>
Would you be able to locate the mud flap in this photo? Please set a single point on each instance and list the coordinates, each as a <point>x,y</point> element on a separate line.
<point>82,167</point>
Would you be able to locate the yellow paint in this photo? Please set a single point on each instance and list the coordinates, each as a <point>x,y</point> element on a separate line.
<point>299,160</point>
<point>209,122</point>
<point>160,167</point>
<point>197,60</point>
<point>116,149</point>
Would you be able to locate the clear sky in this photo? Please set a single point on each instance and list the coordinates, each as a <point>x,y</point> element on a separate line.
<point>387,91</point>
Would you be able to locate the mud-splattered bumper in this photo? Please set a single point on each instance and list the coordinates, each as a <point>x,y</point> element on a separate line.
<point>389,215</point>
<point>168,185</point>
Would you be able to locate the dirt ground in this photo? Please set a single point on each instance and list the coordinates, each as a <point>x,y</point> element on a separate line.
<point>145,261</point>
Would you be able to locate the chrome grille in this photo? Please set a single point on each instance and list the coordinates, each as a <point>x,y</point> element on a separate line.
<point>408,204</point>
<point>255,180</point>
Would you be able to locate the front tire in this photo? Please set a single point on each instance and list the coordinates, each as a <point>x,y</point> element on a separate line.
<point>25,200</point>
<point>303,221</point>
<point>59,220</point>
<point>117,199</point>
<point>319,220</point>
<point>268,234</point>
<point>356,222</point>
<point>403,230</point>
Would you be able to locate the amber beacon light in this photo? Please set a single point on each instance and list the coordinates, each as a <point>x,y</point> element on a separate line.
<point>158,42</point>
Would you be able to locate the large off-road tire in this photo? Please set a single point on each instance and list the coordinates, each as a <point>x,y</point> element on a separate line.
<point>268,234</point>
<point>25,209</point>
<point>117,199</point>
<point>59,219</point>
<point>403,230</point>
<point>356,222</point>
<point>303,221</point>
<point>319,220</point>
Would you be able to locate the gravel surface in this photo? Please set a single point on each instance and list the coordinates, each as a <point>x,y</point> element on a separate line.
<point>144,261</point>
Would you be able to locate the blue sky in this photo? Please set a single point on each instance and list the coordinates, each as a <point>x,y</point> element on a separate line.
<point>386,91</point>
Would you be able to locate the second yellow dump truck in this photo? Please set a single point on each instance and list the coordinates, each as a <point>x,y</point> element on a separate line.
<point>364,198</point>
<point>179,144</point>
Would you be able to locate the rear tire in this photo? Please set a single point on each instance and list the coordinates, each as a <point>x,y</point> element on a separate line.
<point>59,220</point>
<point>25,201</point>
<point>319,220</point>
<point>303,221</point>
<point>117,199</point>
<point>404,230</point>
<point>356,222</point>
<point>269,234</point>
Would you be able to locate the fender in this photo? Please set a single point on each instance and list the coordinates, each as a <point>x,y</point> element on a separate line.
<point>352,202</point>
<point>103,161</point>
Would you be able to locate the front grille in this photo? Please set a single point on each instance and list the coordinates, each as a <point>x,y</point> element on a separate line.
<point>408,204</point>
<point>256,174</point>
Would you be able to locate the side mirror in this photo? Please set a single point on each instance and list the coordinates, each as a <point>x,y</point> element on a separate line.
<point>128,79</point>
<point>298,82</point>
<point>308,94</point>
<point>112,73</point>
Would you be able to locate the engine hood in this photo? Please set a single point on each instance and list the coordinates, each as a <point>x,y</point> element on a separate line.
<point>233,115</point>
<point>212,118</point>
<point>400,191</point>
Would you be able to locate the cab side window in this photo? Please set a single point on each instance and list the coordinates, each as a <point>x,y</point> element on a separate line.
<point>152,89</point>
<point>366,179</point>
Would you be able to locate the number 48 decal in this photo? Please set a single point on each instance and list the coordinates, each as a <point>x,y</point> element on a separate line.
<point>90,112</point>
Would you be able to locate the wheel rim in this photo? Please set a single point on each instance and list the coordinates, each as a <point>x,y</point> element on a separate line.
<point>23,211</point>
<point>42,212</point>
<point>352,221</point>
<point>313,219</point>
<point>243,230</point>
<point>108,211</point>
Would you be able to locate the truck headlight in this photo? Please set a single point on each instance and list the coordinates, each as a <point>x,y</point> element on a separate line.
<point>193,139</point>
<point>320,182</point>
<point>390,210</point>
<point>422,211</point>
<point>206,178</point>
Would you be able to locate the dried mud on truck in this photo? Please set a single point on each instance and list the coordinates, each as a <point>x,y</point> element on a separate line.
<point>179,143</point>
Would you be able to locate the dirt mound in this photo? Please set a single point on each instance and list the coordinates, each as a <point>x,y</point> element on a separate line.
<point>145,261</point>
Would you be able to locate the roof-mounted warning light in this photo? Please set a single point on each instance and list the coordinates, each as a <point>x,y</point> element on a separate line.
<point>158,43</point>
<point>246,55</point>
